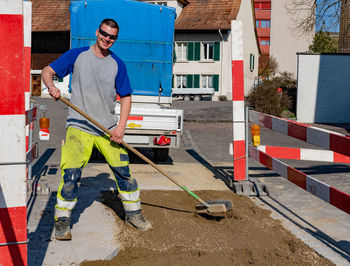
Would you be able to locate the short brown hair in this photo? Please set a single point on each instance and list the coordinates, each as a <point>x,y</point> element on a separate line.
<point>110,22</point>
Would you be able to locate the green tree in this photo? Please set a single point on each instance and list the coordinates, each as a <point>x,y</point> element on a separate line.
<point>309,14</point>
<point>268,66</point>
<point>323,43</point>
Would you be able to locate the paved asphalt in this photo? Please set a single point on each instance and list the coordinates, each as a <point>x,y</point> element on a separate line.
<point>206,139</point>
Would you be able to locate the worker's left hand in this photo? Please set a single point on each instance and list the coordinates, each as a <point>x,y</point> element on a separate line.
<point>118,134</point>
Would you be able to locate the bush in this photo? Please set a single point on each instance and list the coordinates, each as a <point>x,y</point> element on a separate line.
<point>265,98</point>
<point>222,98</point>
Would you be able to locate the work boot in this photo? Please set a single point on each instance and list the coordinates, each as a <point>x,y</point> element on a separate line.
<point>62,229</point>
<point>137,220</point>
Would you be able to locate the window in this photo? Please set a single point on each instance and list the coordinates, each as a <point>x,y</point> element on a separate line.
<point>207,51</point>
<point>193,81</point>
<point>257,23</point>
<point>264,23</point>
<point>181,51</point>
<point>181,81</point>
<point>207,81</point>
<point>210,81</point>
<point>251,62</point>
<point>265,42</point>
<point>196,51</point>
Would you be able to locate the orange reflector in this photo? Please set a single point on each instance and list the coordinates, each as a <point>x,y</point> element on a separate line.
<point>162,141</point>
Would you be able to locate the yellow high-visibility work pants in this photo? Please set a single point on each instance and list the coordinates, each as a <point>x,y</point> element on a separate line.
<point>76,153</point>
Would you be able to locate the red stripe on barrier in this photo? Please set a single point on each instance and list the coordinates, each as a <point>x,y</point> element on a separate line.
<point>339,144</point>
<point>340,158</point>
<point>11,59</point>
<point>13,255</point>
<point>283,152</point>
<point>339,199</point>
<point>30,115</point>
<point>27,143</point>
<point>296,130</point>
<point>135,118</point>
<point>27,57</point>
<point>296,177</point>
<point>266,121</point>
<point>13,225</point>
<point>239,164</point>
<point>237,80</point>
<point>265,160</point>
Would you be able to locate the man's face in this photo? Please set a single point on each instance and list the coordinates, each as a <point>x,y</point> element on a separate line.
<point>105,42</point>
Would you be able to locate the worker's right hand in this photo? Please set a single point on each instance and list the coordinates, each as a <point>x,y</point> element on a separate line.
<point>54,92</point>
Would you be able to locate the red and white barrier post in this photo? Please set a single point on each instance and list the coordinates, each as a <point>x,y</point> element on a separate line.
<point>13,225</point>
<point>239,153</point>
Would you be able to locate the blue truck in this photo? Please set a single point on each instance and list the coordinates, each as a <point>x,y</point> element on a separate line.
<point>145,44</point>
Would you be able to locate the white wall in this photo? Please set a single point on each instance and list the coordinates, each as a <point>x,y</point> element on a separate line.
<point>323,88</point>
<point>177,5</point>
<point>172,3</point>
<point>250,45</point>
<point>285,41</point>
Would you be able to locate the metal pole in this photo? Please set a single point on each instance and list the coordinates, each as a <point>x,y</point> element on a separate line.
<point>246,122</point>
<point>30,143</point>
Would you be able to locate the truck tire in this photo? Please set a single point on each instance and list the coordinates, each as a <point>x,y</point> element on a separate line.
<point>197,98</point>
<point>187,98</point>
<point>161,155</point>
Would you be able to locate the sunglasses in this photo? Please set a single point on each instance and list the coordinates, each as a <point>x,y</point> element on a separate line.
<point>105,34</point>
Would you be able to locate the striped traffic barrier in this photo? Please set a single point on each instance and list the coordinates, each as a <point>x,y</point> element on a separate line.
<point>27,30</point>
<point>239,152</point>
<point>321,190</point>
<point>13,211</point>
<point>32,150</point>
<point>329,140</point>
<point>304,154</point>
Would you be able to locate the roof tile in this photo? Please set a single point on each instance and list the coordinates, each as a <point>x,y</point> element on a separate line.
<point>208,15</point>
<point>50,15</point>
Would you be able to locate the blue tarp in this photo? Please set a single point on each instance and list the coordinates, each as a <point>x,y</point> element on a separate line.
<point>145,40</point>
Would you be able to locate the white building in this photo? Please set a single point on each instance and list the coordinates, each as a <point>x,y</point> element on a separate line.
<point>203,44</point>
<point>286,39</point>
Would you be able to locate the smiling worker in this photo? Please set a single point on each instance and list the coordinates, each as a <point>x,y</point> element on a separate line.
<point>98,75</point>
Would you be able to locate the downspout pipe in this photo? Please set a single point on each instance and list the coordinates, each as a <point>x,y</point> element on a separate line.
<point>221,59</point>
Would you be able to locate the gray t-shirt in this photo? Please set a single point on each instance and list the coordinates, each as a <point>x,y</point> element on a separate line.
<point>95,84</point>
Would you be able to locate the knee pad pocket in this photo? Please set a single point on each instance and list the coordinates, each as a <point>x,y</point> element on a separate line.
<point>69,190</point>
